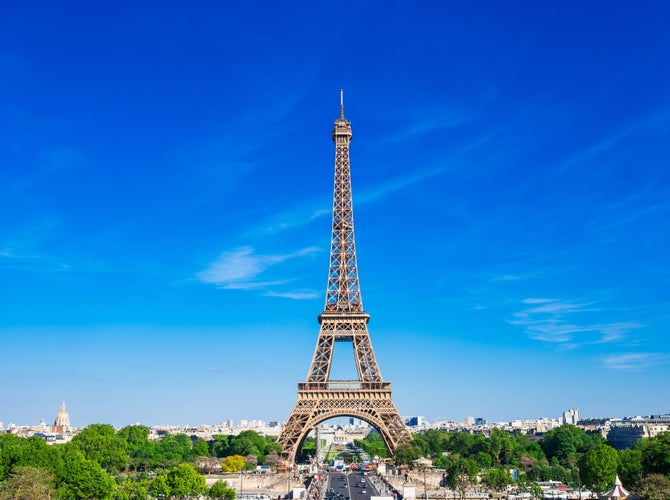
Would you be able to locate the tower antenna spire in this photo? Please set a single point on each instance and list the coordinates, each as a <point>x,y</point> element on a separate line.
<point>341,103</point>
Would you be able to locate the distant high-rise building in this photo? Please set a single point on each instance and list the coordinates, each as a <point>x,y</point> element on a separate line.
<point>469,420</point>
<point>414,421</point>
<point>571,417</point>
<point>480,421</point>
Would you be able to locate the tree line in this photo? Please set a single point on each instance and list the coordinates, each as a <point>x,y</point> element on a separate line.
<point>567,454</point>
<point>102,463</point>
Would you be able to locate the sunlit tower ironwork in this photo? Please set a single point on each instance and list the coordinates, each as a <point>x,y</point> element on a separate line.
<point>343,320</point>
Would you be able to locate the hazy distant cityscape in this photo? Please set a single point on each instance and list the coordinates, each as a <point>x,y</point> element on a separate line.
<point>621,432</point>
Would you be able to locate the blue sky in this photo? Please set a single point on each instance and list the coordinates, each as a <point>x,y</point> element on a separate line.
<point>166,181</point>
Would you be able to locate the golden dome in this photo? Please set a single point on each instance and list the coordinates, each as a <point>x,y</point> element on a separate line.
<point>63,418</point>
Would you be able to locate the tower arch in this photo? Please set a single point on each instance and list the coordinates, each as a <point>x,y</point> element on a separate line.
<point>314,422</point>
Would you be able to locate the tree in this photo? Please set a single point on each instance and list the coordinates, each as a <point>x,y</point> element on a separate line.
<point>134,435</point>
<point>32,452</point>
<point>461,474</point>
<point>273,459</point>
<point>80,478</point>
<point>406,453</point>
<point>141,451</point>
<point>100,443</point>
<point>219,446</point>
<point>307,451</point>
<point>185,481</point>
<point>630,470</point>
<point>200,448</point>
<point>497,478</point>
<point>233,463</point>
<point>529,452</point>
<point>655,454</point>
<point>655,487</point>
<point>247,443</point>
<point>174,449</point>
<point>466,444</point>
<point>484,459</point>
<point>251,462</point>
<point>373,444</point>
<point>272,446</point>
<point>132,489</point>
<point>597,468</point>
<point>159,487</point>
<point>143,457</point>
<point>221,490</point>
<point>564,442</point>
<point>207,465</point>
<point>501,446</point>
<point>28,483</point>
<point>434,439</point>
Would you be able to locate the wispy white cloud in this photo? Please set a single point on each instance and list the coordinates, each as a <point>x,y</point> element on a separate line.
<point>430,121</point>
<point>299,216</point>
<point>653,120</point>
<point>296,295</point>
<point>50,164</point>
<point>507,277</point>
<point>425,172</point>
<point>295,218</point>
<point>9,258</point>
<point>536,301</point>
<point>553,307</point>
<point>215,371</point>
<point>242,268</point>
<point>638,205</point>
<point>635,361</point>
<point>556,321</point>
<point>23,249</point>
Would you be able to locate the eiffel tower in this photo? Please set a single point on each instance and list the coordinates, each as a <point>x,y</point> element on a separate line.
<point>343,320</point>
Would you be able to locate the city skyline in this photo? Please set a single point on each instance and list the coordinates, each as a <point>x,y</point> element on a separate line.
<point>571,416</point>
<point>166,192</point>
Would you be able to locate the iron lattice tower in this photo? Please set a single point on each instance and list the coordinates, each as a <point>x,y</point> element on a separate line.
<point>343,320</point>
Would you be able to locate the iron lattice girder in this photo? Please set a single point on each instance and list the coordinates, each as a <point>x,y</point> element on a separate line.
<point>344,329</point>
<point>343,320</point>
<point>343,291</point>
